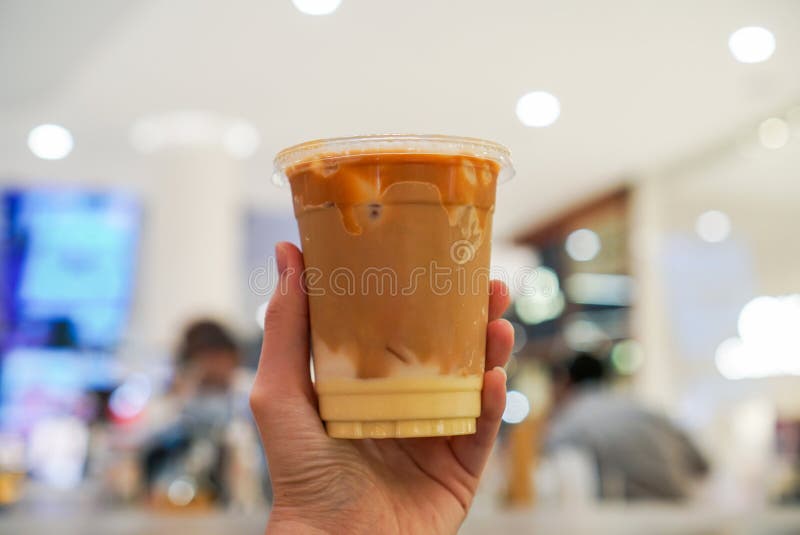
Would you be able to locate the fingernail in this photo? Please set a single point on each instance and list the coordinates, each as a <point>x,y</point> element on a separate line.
<point>501,370</point>
<point>280,258</point>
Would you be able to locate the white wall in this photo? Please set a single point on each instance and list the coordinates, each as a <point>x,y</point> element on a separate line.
<point>692,292</point>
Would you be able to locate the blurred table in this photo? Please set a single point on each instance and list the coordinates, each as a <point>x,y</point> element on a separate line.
<point>649,519</point>
<point>607,519</point>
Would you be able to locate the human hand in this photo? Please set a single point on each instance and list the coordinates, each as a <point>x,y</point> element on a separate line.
<point>328,485</point>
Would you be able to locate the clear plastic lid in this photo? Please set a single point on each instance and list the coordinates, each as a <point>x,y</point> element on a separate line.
<point>323,149</point>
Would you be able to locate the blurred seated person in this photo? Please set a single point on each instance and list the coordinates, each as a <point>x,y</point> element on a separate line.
<point>638,454</point>
<point>205,438</point>
<point>208,360</point>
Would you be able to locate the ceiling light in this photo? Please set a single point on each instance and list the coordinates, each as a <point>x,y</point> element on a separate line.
<point>317,7</point>
<point>773,133</point>
<point>50,142</point>
<point>538,109</point>
<point>713,226</point>
<point>752,44</point>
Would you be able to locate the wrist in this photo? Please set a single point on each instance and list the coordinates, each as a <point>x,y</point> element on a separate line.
<point>311,521</point>
<point>281,526</point>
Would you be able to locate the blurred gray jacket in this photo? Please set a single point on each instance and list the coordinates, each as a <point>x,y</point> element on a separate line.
<point>638,454</point>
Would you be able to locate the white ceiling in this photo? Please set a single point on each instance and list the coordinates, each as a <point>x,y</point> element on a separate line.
<point>641,83</point>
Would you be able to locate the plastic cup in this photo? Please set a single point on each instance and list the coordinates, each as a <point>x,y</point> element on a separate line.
<point>396,236</point>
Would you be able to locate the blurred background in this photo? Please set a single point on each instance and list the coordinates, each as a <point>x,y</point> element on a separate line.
<point>655,382</point>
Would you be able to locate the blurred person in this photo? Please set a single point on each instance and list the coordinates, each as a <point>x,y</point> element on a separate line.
<point>327,485</point>
<point>207,378</point>
<point>637,453</point>
<point>204,423</point>
<point>208,359</point>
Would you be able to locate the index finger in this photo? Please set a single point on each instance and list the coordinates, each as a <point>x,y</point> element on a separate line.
<point>499,299</point>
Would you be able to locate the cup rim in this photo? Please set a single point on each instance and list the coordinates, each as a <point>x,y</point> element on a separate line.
<point>337,147</point>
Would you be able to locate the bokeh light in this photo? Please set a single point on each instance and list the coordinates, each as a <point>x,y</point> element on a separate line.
<point>181,491</point>
<point>540,298</point>
<point>584,335</point>
<point>768,343</point>
<point>731,359</point>
<point>317,7</point>
<point>752,44</point>
<point>771,321</point>
<point>130,398</point>
<point>627,357</point>
<point>538,109</point>
<point>583,245</point>
<point>50,142</point>
<point>517,407</point>
<point>713,226</point>
<point>773,133</point>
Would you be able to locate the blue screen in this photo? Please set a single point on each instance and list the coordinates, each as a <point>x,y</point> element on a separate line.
<point>70,259</point>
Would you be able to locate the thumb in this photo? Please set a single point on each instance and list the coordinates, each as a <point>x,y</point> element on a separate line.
<point>283,369</point>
